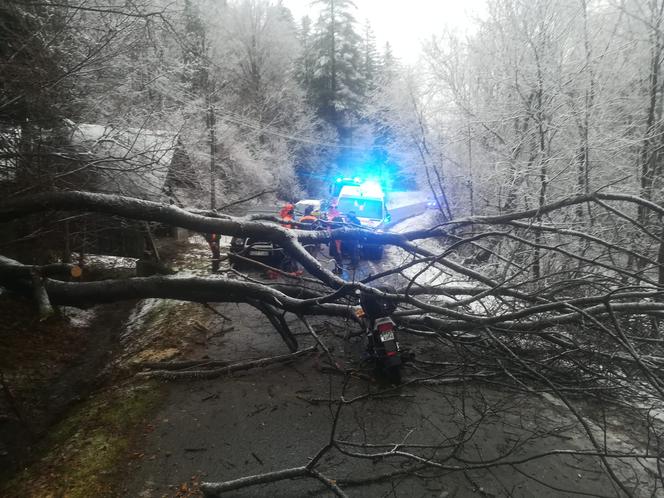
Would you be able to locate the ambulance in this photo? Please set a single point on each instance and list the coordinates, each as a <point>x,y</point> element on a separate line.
<point>367,200</point>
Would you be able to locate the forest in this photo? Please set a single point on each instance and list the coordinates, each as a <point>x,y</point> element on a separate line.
<point>531,288</point>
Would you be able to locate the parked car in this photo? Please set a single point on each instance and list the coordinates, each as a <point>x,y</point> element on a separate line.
<point>263,251</point>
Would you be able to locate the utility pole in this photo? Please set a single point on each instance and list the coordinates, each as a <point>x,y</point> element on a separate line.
<point>213,164</point>
<point>333,54</point>
<point>470,173</point>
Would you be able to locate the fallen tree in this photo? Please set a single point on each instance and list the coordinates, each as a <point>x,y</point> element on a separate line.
<point>503,299</point>
<point>586,323</point>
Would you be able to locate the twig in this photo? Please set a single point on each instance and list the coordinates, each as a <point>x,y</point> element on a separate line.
<point>329,483</point>
<point>216,312</point>
<point>218,372</point>
<point>313,333</point>
<point>246,199</point>
<point>214,489</point>
<point>181,365</point>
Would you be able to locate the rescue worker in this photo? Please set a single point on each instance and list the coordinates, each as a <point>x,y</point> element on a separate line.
<point>353,219</point>
<point>336,221</point>
<point>309,217</point>
<point>286,213</point>
<point>333,211</point>
<point>213,242</point>
<point>288,264</point>
<point>312,224</point>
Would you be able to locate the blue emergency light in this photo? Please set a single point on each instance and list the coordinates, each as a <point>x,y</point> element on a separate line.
<point>371,189</point>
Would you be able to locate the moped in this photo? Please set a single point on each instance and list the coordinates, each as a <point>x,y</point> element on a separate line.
<point>381,334</point>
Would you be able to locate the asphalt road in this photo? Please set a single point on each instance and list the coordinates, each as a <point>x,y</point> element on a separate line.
<point>279,417</point>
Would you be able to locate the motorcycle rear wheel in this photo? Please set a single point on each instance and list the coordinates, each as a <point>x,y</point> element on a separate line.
<point>393,374</point>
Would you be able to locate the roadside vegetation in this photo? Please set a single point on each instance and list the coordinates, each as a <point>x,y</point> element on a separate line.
<point>536,137</point>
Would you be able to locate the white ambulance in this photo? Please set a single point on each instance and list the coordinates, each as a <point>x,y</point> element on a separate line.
<point>367,201</point>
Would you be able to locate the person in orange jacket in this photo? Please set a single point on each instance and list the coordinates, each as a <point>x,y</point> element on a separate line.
<point>286,213</point>
<point>288,265</point>
<point>312,224</point>
<point>213,241</point>
<point>308,217</point>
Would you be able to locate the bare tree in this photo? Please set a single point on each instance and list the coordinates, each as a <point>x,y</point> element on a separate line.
<point>581,329</point>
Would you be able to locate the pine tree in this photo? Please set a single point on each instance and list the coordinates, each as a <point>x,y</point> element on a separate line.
<point>30,63</point>
<point>305,62</point>
<point>389,64</point>
<point>194,49</point>
<point>337,87</point>
<point>370,58</point>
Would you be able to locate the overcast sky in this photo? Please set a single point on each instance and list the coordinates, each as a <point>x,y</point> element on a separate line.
<point>404,23</point>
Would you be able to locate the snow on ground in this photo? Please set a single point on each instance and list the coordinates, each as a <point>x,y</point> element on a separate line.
<point>148,331</point>
<point>614,433</point>
<point>196,260</point>
<point>106,260</point>
<point>399,199</point>
<point>614,437</point>
<point>138,315</point>
<point>647,401</point>
<point>79,318</point>
<point>425,273</point>
<point>198,240</point>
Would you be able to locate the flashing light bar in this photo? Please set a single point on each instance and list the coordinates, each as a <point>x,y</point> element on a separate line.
<point>357,179</point>
<point>371,189</point>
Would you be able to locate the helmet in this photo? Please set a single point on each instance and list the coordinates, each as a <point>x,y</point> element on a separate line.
<point>376,306</point>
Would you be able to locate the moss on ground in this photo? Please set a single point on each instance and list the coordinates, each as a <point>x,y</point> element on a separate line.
<point>83,453</point>
<point>166,329</point>
<point>192,257</point>
<point>86,452</point>
<point>32,351</point>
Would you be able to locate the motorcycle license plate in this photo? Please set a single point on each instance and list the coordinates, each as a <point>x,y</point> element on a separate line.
<point>259,253</point>
<point>387,336</point>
